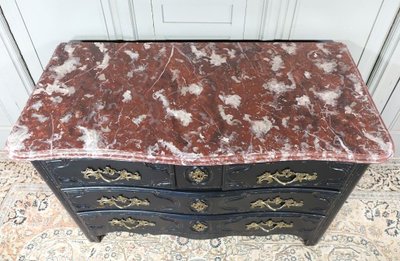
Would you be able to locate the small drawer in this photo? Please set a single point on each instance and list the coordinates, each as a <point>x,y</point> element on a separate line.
<point>203,203</point>
<point>198,177</point>
<point>200,227</point>
<point>316,174</point>
<point>95,172</point>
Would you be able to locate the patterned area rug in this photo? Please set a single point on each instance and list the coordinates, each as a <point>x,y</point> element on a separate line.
<point>34,226</point>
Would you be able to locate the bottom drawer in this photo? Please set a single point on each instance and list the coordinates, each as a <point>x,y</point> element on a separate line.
<point>202,226</point>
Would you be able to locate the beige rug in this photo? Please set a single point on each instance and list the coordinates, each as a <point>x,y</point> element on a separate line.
<point>34,226</point>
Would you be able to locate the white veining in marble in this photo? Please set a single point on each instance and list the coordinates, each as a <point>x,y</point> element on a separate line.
<point>201,103</point>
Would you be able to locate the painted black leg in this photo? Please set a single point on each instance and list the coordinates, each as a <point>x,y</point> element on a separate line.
<point>309,242</point>
<point>95,239</point>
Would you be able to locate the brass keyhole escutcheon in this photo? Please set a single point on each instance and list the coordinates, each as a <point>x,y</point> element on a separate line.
<point>199,205</point>
<point>199,226</point>
<point>198,176</point>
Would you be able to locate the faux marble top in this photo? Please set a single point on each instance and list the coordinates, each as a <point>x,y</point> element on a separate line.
<point>203,103</point>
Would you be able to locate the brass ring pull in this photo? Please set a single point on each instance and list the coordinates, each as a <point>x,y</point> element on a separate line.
<point>99,174</point>
<point>286,174</point>
<point>199,226</point>
<point>282,203</point>
<point>131,223</point>
<point>268,226</point>
<point>197,176</point>
<point>199,205</point>
<point>118,201</point>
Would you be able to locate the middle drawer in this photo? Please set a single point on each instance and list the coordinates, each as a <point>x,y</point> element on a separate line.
<point>182,202</point>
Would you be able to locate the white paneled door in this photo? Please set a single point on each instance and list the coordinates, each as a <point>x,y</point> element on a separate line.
<point>15,84</point>
<point>361,25</point>
<point>38,26</point>
<point>387,92</point>
<point>391,116</point>
<point>206,19</point>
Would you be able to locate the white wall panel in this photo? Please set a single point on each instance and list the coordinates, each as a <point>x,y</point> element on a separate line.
<point>193,19</point>
<point>142,10</point>
<point>62,21</point>
<point>13,93</point>
<point>12,88</point>
<point>387,91</point>
<point>376,39</point>
<point>40,25</point>
<point>391,116</point>
<point>350,21</point>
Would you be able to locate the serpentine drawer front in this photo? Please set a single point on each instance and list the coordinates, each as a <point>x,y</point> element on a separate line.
<point>79,173</point>
<point>257,200</point>
<point>320,174</point>
<point>92,172</point>
<point>201,139</point>
<point>201,227</point>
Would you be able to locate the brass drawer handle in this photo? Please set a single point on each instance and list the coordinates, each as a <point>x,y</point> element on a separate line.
<point>282,203</point>
<point>197,176</point>
<point>268,226</point>
<point>199,226</point>
<point>287,174</point>
<point>120,174</point>
<point>131,223</point>
<point>118,201</point>
<point>199,205</point>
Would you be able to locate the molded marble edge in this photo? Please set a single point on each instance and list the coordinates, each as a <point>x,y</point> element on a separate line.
<point>203,161</point>
<point>210,159</point>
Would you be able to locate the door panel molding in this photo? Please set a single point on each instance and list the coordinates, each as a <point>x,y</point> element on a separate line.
<point>15,56</point>
<point>328,20</point>
<point>384,19</point>
<point>386,72</point>
<point>28,26</point>
<point>189,19</point>
<point>121,17</point>
<point>143,12</point>
<point>391,116</point>
<point>15,81</point>
<point>13,15</point>
<point>278,17</point>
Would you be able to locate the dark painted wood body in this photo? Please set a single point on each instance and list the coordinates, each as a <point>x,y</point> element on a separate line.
<point>307,200</point>
<point>319,188</point>
<point>216,226</point>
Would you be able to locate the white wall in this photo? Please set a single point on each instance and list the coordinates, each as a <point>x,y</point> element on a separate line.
<point>15,83</point>
<point>362,25</point>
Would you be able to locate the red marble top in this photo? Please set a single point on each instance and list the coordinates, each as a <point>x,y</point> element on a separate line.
<point>204,103</point>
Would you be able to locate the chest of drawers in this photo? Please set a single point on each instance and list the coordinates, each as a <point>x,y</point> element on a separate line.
<point>296,197</point>
<point>201,139</point>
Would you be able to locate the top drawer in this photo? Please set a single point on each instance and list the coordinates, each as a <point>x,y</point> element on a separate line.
<point>99,172</point>
<point>321,174</point>
<point>95,172</point>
